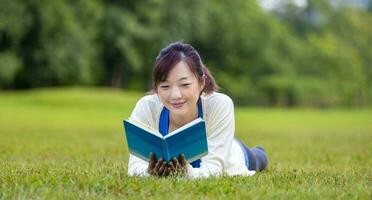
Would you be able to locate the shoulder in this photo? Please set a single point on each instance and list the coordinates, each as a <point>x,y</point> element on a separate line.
<point>149,104</point>
<point>217,105</point>
<point>149,100</point>
<point>218,110</point>
<point>216,100</point>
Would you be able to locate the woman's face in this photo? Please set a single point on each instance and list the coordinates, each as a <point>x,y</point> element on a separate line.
<point>180,91</point>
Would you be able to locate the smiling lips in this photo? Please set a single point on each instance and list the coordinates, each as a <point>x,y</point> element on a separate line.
<point>178,105</point>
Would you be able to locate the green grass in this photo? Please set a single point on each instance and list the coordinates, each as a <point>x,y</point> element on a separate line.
<point>69,144</point>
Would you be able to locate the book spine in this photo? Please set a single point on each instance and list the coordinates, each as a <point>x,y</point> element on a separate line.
<point>166,155</point>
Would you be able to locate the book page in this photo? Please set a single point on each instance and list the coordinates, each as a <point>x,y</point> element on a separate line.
<point>145,127</point>
<point>184,127</point>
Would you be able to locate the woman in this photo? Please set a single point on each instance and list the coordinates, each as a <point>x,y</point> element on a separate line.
<point>184,90</point>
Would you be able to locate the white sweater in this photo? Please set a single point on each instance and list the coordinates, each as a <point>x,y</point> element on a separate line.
<point>225,156</point>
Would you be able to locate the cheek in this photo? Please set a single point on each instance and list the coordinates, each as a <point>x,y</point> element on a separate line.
<point>163,96</point>
<point>192,93</point>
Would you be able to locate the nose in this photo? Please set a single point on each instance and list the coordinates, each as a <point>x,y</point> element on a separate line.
<point>176,93</point>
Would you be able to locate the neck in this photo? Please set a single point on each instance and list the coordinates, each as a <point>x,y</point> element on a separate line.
<point>178,121</point>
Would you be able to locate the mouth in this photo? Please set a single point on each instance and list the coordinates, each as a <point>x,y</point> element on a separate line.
<point>178,105</point>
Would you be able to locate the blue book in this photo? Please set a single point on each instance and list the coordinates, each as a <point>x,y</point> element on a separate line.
<point>190,140</point>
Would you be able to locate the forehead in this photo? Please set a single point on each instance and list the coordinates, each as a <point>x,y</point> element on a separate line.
<point>181,71</point>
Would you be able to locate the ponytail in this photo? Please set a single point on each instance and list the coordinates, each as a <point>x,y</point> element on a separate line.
<point>210,83</point>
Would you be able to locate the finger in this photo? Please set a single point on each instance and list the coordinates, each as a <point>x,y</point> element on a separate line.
<point>152,161</point>
<point>150,168</point>
<point>167,171</point>
<point>162,168</point>
<point>171,165</point>
<point>183,160</point>
<point>175,163</point>
<point>158,165</point>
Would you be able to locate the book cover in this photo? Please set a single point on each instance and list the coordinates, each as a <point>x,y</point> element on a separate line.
<point>190,140</point>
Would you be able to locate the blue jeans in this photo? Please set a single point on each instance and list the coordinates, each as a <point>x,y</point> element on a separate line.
<point>255,158</point>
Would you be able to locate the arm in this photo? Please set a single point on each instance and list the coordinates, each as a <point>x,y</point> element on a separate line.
<point>143,113</point>
<point>221,135</point>
<point>137,166</point>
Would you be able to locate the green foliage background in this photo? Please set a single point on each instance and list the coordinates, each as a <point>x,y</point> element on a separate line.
<point>318,56</point>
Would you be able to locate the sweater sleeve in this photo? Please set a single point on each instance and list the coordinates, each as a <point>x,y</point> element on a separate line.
<point>142,113</point>
<point>220,138</point>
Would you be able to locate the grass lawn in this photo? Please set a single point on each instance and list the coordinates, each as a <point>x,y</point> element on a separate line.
<point>69,144</point>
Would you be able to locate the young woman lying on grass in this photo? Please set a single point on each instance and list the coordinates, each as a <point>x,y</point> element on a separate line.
<point>184,90</point>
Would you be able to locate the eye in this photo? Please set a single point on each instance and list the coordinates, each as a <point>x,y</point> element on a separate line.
<point>164,87</point>
<point>185,84</point>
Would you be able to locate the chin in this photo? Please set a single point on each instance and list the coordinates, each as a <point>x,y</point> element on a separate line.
<point>180,111</point>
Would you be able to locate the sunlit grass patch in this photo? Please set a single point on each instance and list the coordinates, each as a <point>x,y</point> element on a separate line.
<point>69,143</point>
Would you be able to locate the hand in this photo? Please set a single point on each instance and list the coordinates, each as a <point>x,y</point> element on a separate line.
<point>178,167</point>
<point>159,167</point>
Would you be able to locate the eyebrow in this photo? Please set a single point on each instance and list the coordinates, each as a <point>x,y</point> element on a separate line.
<point>180,79</point>
<point>183,78</point>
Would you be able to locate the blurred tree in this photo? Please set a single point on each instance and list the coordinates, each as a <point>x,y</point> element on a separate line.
<point>352,28</point>
<point>52,48</point>
<point>9,65</point>
<point>14,24</point>
<point>317,55</point>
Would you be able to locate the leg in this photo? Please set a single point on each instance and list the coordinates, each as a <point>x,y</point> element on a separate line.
<point>255,158</point>
<point>260,157</point>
